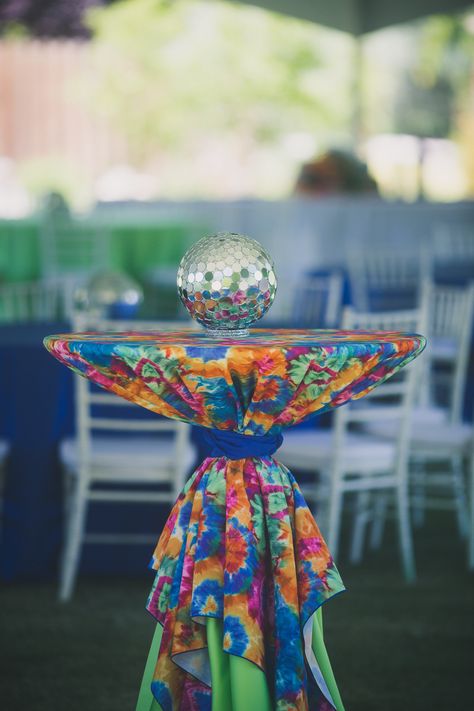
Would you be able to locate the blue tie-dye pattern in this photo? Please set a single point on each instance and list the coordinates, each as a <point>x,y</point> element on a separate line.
<point>235,636</point>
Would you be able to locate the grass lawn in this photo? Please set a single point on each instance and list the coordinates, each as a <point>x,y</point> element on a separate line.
<point>393,647</point>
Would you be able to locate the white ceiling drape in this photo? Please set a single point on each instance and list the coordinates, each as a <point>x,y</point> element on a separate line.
<point>360,16</point>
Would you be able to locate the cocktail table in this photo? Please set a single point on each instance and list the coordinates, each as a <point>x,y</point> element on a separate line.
<point>241,567</point>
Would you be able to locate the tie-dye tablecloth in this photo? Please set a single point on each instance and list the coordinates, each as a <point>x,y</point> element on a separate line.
<point>241,556</point>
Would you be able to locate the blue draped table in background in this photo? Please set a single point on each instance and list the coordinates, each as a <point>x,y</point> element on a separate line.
<point>37,412</point>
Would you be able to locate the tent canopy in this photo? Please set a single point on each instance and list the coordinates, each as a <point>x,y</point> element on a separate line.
<point>361,16</point>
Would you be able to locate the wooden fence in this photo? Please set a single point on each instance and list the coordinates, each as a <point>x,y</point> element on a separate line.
<point>41,114</point>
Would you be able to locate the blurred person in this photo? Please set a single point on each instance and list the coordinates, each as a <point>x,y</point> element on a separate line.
<point>334,172</point>
<point>54,203</point>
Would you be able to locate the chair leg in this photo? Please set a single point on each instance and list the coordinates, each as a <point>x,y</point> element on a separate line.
<point>470,562</point>
<point>361,518</point>
<point>405,536</point>
<point>378,525</point>
<point>334,521</point>
<point>459,489</point>
<point>418,476</point>
<point>73,543</point>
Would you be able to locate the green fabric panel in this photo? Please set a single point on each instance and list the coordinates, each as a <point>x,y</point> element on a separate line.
<point>232,676</point>
<point>135,249</point>
<point>146,701</point>
<point>322,657</point>
<point>249,686</point>
<point>220,670</point>
<point>19,250</point>
<point>319,619</point>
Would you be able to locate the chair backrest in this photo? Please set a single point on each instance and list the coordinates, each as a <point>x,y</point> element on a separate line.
<point>317,300</point>
<point>72,246</point>
<point>454,242</point>
<point>30,301</point>
<point>391,401</point>
<point>449,329</point>
<point>91,402</point>
<point>388,277</point>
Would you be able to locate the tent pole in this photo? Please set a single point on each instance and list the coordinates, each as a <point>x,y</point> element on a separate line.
<point>357,123</point>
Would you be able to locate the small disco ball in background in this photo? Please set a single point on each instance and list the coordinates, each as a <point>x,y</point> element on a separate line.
<point>110,294</point>
<point>227,282</point>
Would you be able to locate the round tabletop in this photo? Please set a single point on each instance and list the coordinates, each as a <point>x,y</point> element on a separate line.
<point>257,338</point>
<point>253,385</point>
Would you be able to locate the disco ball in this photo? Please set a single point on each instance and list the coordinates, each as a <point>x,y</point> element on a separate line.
<point>227,282</point>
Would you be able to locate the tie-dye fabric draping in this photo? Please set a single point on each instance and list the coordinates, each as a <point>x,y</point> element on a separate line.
<point>240,543</point>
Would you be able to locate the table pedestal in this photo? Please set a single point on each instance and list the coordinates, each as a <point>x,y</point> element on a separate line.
<point>242,572</point>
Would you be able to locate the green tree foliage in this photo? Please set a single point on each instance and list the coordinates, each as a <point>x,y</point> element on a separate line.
<point>436,87</point>
<point>446,51</point>
<point>168,73</point>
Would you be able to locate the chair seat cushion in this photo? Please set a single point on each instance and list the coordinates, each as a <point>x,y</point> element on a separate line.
<point>310,449</point>
<point>430,414</point>
<point>432,436</point>
<point>141,457</point>
<point>443,348</point>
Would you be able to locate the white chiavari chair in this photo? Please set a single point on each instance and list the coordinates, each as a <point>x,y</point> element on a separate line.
<point>385,279</point>
<point>30,301</point>
<point>350,462</point>
<point>317,301</point>
<point>440,441</point>
<point>145,460</point>
<point>454,243</point>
